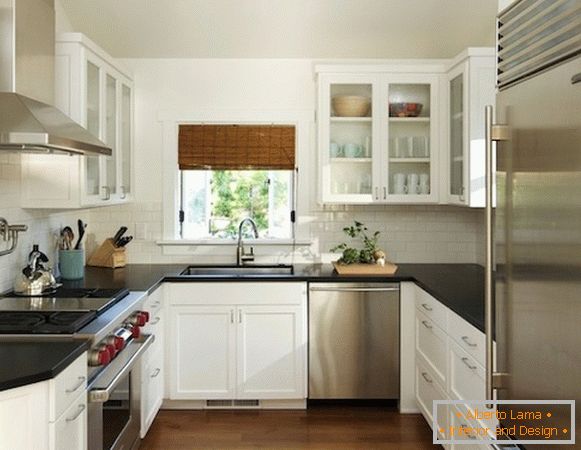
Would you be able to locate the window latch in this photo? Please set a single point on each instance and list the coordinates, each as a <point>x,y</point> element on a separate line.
<point>181,216</point>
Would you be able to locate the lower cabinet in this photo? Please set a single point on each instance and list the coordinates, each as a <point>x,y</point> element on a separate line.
<point>250,344</point>
<point>152,363</point>
<point>50,415</point>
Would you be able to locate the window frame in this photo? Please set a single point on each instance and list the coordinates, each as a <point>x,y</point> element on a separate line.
<point>304,176</point>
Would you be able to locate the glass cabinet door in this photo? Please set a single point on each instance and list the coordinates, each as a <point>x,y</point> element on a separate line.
<point>111,134</point>
<point>126,131</point>
<point>93,124</point>
<point>457,136</point>
<point>350,152</point>
<point>409,168</point>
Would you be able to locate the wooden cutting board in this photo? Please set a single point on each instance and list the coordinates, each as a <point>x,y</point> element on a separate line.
<point>364,269</point>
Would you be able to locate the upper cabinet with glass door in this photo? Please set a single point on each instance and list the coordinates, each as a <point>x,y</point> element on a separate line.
<point>471,86</point>
<point>96,92</point>
<point>348,137</point>
<point>378,134</point>
<point>409,165</point>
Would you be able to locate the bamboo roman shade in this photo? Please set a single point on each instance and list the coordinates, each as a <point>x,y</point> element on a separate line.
<point>236,147</point>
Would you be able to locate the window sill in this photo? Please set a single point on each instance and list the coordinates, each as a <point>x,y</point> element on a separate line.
<point>233,242</point>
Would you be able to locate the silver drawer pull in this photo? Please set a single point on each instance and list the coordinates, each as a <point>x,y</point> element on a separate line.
<point>427,307</point>
<point>76,388</point>
<point>76,416</point>
<point>468,343</point>
<point>155,373</point>
<point>467,364</point>
<point>155,305</point>
<point>426,324</point>
<point>155,321</point>
<point>426,377</point>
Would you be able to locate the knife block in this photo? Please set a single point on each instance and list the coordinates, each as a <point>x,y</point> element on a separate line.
<point>107,255</point>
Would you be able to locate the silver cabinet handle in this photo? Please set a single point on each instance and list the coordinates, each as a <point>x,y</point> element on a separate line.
<point>463,425</point>
<point>427,307</point>
<point>491,133</point>
<point>467,342</point>
<point>376,193</point>
<point>427,378</point>
<point>155,321</point>
<point>384,193</point>
<point>231,316</point>
<point>426,324</point>
<point>76,416</point>
<point>467,364</point>
<point>155,373</point>
<point>361,289</point>
<point>78,385</point>
<point>576,78</point>
<point>155,305</point>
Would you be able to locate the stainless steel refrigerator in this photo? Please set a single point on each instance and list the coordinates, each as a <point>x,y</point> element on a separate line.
<point>535,234</point>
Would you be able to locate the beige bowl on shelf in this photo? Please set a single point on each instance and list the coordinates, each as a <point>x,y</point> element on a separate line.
<point>351,105</point>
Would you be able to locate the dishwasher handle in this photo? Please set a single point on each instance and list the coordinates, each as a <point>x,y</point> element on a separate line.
<point>354,289</point>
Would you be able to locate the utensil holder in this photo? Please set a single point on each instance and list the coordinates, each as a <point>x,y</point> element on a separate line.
<point>72,264</point>
<point>107,255</point>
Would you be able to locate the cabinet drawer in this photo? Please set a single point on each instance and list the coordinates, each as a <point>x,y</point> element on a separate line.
<point>69,432</point>
<point>467,379</point>
<point>458,421</point>
<point>431,342</point>
<point>428,390</point>
<point>67,386</point>
<point>467,337</point>
<point>154,300</point>
<point>232,293</point>
<point>431,308</point>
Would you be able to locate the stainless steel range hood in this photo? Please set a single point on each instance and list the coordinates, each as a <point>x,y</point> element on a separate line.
<point>28,121</point>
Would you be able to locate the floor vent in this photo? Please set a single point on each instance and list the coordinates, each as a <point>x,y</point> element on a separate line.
<point>232,404</point>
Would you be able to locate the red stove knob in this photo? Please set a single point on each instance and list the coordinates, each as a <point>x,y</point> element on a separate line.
<point>117,342</point>
<point>135,332</point>
<point>145,314</point>
<point>99,356</point>
<point>112,350</point>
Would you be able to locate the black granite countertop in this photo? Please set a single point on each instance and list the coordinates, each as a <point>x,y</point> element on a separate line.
<point>27,362</point>
<point>460,287</point>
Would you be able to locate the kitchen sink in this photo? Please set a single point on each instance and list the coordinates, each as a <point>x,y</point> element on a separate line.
<point>254,269</point>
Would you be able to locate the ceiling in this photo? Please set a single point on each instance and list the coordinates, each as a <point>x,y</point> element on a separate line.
<point>284,28</point>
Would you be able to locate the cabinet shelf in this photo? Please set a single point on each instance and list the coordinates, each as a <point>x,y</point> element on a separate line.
<point>351,160</point>
<point>410,160</point>
<point>410,119</point>
<point>351,119</point>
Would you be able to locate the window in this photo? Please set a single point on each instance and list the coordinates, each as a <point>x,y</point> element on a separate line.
<point>215,201</point>
<point>230,172</point>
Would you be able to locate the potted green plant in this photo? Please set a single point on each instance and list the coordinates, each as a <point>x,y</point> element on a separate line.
<point>369,254</point>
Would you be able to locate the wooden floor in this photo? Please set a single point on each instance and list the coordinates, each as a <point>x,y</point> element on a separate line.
<point>321,427</point>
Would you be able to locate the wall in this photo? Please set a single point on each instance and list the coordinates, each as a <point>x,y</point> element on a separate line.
<point>409,233</point>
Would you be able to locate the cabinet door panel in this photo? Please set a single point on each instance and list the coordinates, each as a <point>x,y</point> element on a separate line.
<point>69,432</point>
<point>202,352</point>
<point>271,352</point>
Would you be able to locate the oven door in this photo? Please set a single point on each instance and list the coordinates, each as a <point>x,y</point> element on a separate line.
<point>115,400</point>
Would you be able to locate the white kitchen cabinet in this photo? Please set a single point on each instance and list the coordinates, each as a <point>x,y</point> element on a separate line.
<point>202,346</point>
<point>49,415</point>
<point>237,341</point>
<point>94,90</point>
<point>153,363</point>
<point>362,158</point>
<point>271,352</point>
<point>471,86</point>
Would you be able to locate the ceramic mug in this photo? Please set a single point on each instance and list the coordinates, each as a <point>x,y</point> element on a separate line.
<point>352,150</point>
<point>334,150</point>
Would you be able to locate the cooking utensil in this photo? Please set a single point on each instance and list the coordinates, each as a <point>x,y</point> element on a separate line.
<point>68,237</point>
<point>82,228</point>
<point>120,232</point>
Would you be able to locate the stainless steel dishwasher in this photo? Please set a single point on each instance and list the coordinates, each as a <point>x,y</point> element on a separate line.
<point>354,341</point>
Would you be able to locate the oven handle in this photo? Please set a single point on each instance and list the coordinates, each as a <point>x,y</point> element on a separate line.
<point>102,394</point>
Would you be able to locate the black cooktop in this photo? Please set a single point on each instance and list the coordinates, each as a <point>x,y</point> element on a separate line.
<point>64,311</point>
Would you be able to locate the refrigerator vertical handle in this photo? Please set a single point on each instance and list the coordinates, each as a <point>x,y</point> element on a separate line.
<point>488,325</point>
<point>492,133</point>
